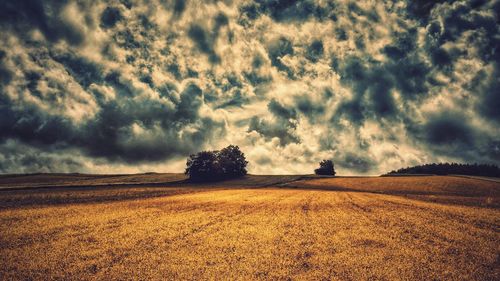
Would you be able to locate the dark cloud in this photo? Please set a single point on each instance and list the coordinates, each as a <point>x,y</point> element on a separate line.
<point>279,48</point>
<point>353,110</point>
<point>280,129</point>
<point>488,86</point>
<point>315,51</point>
<point>257,79</point>
<point>131,128</point>
<point>18,158</point>
<point>287,10</point>
<point>254,76</point>
<point>358,163</point>
<point>112,133</point>
<point>237,99</point>
<point>309,108</point>
<point>341,34</point>
<point>45,16</point>
<point>204,41</point>
<point>227,92</point>
<point>478,25</point>
<point>232,93</point>
<point>83,70</point>
<point>468,18</point>
<point>411,77</point>
<point>452,134</point>
<point>372,86</point>
<point>263,160</point>
<point>5,72</point>
<point>280,111</point>
<point>116,83</point>
<point>127,3</point>
<point>110,16</point>
<point>220,20</point>
<point>374,82</point>
<point>283,126</point>
<point>403,44</point>
<point>422,8</point>
<point>127,40</point>
<point>448,129</point>
<point>491,102</point>
<point>179,6</point>
<point>33,126</point>
<point>440,57</point>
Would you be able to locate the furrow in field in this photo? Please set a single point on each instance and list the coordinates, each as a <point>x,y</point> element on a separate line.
<point>436,239</point>
<point>218,246</point>
<point>243,234</point>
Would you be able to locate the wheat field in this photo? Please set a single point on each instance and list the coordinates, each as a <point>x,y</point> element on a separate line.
<point>299,229</point>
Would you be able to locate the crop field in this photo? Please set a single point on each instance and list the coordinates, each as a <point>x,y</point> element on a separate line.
<point>158,227</point>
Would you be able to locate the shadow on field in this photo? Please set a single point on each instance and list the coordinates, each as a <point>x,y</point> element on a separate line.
<point>37,190</point>
<point>456,190</point>
<point>58,189</point>
<point>477,200</point>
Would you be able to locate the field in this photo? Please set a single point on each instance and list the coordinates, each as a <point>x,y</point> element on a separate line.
<point>157,226</point>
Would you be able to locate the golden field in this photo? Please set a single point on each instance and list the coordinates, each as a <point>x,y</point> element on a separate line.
<point>157,227</point>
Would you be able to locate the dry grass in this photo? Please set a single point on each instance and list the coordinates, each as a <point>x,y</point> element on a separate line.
<point>441,189</point>
<point>265,233</point>
<point>50,180</point>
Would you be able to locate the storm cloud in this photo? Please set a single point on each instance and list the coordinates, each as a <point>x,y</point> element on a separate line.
<point>131,86</point>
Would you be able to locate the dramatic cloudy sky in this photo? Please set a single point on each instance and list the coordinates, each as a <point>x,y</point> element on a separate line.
<point>135,85</point>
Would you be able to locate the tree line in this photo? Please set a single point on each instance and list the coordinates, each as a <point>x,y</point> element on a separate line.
<point>485,170</point>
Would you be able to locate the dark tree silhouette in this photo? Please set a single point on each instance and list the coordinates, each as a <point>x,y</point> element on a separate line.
<point>451,168</point>
<point>232,162</point>
<point>227,163</point>
<point>325,168</point>
<point>202,166</point>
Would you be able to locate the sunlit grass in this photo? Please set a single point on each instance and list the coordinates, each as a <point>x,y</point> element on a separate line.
<point>252,234</point>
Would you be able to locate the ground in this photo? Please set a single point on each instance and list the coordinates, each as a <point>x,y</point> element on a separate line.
<point>157,226</point>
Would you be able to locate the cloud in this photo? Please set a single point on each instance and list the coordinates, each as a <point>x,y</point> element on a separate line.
<point>130,85</point>
<point>490,98</point>
<point>278,48</point>
<point>448,129</point>
<point>19,158</point>
<point>52,18</point>
<point>357,163</point>
<point>110,16</point>
<point>315,50</point>
<point>287,10</point>
<point>204,42</point>
<point>282,125</point>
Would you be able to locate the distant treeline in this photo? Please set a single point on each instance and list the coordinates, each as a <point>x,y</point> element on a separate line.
<point>485,170</point>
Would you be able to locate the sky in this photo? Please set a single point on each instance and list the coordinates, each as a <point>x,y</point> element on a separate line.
<point>137,86</point>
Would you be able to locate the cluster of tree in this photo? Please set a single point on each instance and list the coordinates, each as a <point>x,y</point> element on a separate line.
<point>325,168</point>
<point>485,170</point>
<point>227,163</point>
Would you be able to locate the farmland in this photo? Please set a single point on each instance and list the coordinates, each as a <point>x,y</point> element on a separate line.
<point>157,226</point>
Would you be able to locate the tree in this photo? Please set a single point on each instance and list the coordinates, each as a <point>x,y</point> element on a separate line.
<point>232,162</point>
<point>228,163</point>
<point>202,166</point>
<point>326,167</point>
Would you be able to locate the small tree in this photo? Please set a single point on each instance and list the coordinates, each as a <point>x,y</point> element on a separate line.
<point>326,167</point>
